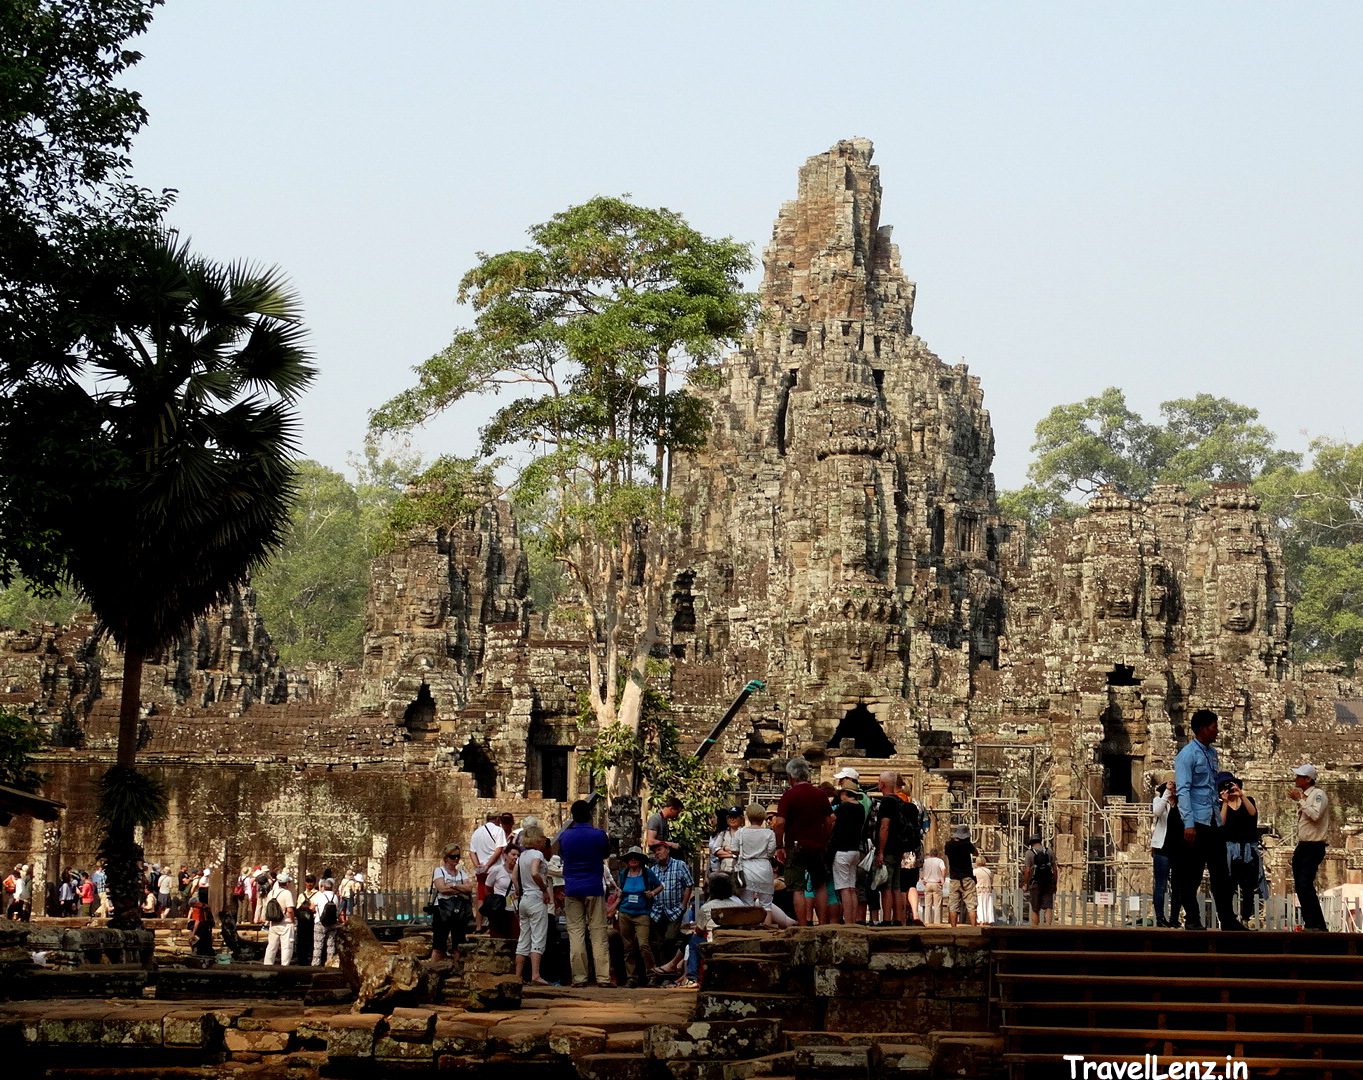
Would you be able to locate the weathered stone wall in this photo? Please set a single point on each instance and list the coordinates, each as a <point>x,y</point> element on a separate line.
<point>840,539</point>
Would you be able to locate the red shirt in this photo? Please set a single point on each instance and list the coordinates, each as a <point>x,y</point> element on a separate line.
<point>805,809</point>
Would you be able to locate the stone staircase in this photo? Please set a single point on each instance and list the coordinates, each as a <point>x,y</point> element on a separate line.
<point>1285,1004</point>
<point>835,1002</point>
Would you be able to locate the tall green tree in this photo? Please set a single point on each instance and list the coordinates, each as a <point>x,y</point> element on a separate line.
<point>312,591</point>
<point>1084,445</point>
<point>191,431</point>
<point>1319,512</point>
<point>596,327</point>
<point>72,229</point>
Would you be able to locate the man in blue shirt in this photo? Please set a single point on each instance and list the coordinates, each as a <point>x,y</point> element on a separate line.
<point>583,848</point>
<point>1195,771</point>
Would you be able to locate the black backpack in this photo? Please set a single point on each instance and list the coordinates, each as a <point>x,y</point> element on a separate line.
<point>330,915</point>
<point>273,912</point>
<point>910,829</point>
<point>1043,870</point>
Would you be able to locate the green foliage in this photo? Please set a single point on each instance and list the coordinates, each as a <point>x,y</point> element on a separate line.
<point>20,740</point>
<point>129,799</point>
<point>1084,445</point>
<point>192,430</point>
<point>72,228</point>
<point>595,328</point>
<point>20,607</point>
<point>312,591</point>
<point>1319,512</point>
<point>441,497</point>
<point>654,757</point>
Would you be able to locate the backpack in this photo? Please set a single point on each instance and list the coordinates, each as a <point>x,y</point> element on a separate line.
<point>1043,870</point>
<point>910,832</point>
<point>238,890</point>
<point>9,884</point>
<point>263,879</point>
<point>330,916</point>
<point>273,912</point>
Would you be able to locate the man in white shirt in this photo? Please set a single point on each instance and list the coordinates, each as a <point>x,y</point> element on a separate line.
<point>1313,828</point>
<point>279,948</point>
<point>933,874</point>
<point>486,846</point>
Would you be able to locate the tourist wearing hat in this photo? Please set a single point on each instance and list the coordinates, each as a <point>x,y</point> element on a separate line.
<point>279,948</point>
<point>638,886</point>
<point>960,852</point>
<point>1195,770</point>
<point>1313,828</point>
<point>1240,820</point>
<point>1040,880</point>
<point>668,908</point>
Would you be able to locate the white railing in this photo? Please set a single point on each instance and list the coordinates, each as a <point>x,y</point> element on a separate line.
<point>1137,909</point>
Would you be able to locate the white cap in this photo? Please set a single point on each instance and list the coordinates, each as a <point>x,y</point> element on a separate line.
<point>847,773</point>
<point>283,877</point>
<point>359,877</point>
<point>1309,771</point>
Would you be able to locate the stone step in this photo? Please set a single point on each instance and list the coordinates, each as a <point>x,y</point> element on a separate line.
<point>801,1011</point>
<point>615,1067</point>
<point>745,972</point>
<point>235,981</point>
<point>87,982</point>
<point>713,1040</point>
<point>837,1060</point>
<point>731,1070</point>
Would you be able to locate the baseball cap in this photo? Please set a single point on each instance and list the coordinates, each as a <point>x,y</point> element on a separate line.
<point>847,773</point>
<point>1308,771</point>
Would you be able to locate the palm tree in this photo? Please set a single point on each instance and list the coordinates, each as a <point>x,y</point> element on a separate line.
<point>192,432</point>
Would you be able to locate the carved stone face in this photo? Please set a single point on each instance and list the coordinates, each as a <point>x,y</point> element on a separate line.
<point>1237,596</point>
<point>1117,587</point>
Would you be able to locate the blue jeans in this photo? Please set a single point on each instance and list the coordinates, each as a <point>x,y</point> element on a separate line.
<point>693,956</point>
<point>1161,886</point>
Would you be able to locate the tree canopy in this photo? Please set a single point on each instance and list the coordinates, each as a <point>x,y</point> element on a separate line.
<point>596,327</point>
<point>1084,445</point>
<point>73,228</point>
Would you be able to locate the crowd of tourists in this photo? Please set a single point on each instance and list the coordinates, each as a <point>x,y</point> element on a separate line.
<point>1203,820</point>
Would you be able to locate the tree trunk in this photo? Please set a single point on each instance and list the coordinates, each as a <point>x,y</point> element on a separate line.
<point>130,706</point>
<point>121,853</point>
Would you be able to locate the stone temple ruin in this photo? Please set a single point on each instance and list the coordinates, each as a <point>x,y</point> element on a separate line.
<point>842,542</point>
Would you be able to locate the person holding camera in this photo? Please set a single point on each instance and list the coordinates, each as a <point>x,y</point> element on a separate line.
<point>450,909</point>
<point>1240,819</point>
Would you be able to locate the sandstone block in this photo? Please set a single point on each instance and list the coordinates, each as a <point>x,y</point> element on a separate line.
<point>412,1025</point>
<point>484,993</point>
<point>574,1041</point>
<point>72,1026</point>
<point>459,1037</point>
<point>711,1039</point>
<point>388,1048</point>
<point>131,1030</point>
<point>352,1035</point>
<point>837,1060</point>
<point>615,1067</point>
<point>525,1037</point>
<point>255,1042</point>
<point>188,1028</point>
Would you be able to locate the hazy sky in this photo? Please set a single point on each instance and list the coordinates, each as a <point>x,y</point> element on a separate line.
<point>1163,197</point>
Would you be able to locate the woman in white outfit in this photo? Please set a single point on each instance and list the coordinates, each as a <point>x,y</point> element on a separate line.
<point>984,893</point>
<point>755,844</point>
<point>532,882</point>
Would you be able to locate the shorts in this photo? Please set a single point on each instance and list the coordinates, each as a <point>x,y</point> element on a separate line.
<point>909,878</point>
<point>892,883</point>
<point>845,869</point>
<point>807,869</point>
<point>962,900</point>
<point>1040,901</point>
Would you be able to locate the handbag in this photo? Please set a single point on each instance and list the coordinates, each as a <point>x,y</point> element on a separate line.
<point>879,877</point>
<point>867,862</point>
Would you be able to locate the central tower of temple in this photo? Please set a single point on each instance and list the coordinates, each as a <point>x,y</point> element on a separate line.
<point>841,529</point>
